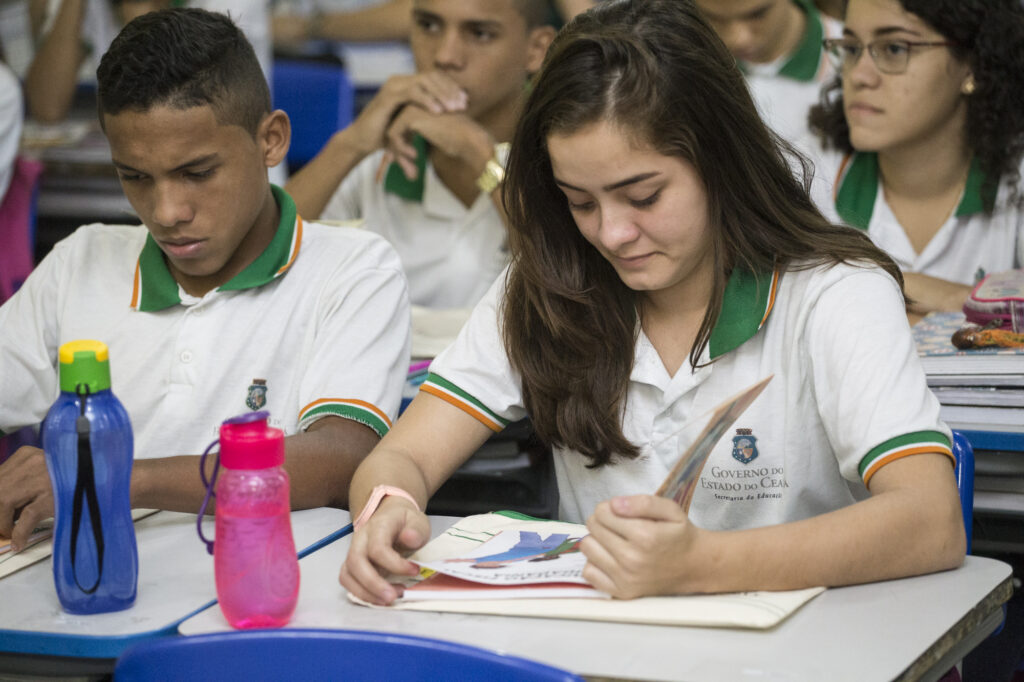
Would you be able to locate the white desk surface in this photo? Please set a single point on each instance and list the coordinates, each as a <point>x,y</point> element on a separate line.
<point>175,580</point>
<point>860,633</point>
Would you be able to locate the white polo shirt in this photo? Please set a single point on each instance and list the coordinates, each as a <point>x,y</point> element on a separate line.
<point>786,89</point>
<point>317,325</point>
<point>983,234</point>
<point>451,254</point>
<point>848,396</point>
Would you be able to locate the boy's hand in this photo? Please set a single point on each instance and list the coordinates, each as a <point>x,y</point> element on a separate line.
<point>432,92</point>
<point>453,134</point>
<point>378,550</point>
<point>25,495</point>
<point>639,546</point>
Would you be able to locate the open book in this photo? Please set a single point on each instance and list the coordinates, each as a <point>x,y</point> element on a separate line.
<point>511,564</point>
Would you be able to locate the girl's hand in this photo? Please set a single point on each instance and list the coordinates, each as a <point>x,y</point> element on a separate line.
<point>379,548</point>
<point>640,546</point>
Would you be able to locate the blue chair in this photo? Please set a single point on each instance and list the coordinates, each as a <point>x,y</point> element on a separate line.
<point>318,97</point>
<point>964,471</point>
<point>287,654</point>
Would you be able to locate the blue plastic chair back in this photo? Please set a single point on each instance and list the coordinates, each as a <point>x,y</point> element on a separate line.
<point>288,654</point>
<point>964,454</point>
<point>318,97</point>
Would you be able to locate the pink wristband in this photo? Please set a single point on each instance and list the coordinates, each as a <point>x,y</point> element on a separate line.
<point>376,497</point>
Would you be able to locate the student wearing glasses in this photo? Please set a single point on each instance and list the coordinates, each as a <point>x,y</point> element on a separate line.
<point>926,132</point>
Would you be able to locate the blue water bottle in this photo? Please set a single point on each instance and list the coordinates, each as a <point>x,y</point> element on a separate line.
<point>87,438</point>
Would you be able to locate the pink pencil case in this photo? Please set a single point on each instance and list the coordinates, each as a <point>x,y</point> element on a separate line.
<point>997,301</point>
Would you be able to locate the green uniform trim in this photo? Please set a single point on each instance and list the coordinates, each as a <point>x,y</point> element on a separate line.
<point>353,412</point>
<point>395,181</point>
<point>458,394</point>
<point>894,446</point>
<point>805,60</point>
<point>745,305</point>
<point>858,191</point>
<point>160,289</point>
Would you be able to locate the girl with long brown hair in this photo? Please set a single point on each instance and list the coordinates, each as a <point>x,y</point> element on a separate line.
<point>663,257</point>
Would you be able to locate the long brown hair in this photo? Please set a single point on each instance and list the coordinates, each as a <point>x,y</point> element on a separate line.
<point>655,69</point>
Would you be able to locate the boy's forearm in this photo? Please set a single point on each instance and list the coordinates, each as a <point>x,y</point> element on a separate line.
<point>53,74</point>
<point>313,186</point>
<point>319,462</point>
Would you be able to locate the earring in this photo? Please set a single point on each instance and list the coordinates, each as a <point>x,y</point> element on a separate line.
<point>968,86</point>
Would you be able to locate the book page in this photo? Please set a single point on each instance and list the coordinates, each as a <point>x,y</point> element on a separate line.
<point>518,557</point>
<point>681,482</point>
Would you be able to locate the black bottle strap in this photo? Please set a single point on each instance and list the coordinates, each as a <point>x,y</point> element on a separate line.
<point>85,490</point>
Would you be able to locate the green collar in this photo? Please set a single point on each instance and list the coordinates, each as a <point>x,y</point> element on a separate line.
<point>156,289</point>
<point>857,189</point>
<point>805,60</point>
<point>746,304</point>
<point>395,181</point>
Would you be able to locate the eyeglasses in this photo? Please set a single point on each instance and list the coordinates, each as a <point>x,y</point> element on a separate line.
<point>890,56</point>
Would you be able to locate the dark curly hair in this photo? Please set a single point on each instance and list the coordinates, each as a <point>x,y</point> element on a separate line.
<point>989,37</point>
<point>182,58</point>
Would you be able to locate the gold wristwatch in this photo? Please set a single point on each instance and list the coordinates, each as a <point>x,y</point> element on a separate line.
<point>494,171</point>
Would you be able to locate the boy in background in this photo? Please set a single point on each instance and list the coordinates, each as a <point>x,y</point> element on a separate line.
<point>422,164</point>
<point>777,43</point>
<point>226,301</point>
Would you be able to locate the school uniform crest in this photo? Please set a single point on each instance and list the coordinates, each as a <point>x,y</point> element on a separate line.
<point>257,396</point>
<point>744,446</point>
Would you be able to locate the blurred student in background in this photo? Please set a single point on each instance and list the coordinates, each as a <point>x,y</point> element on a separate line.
<point>11,116</point>
<point>925,124</point>
<point>423,162</point>
<point>833,8</point>
<point>778,44</point>
<point>368,20</point>
<point>71,35</point>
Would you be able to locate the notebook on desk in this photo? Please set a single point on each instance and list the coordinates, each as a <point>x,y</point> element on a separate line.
<point>40,546</point>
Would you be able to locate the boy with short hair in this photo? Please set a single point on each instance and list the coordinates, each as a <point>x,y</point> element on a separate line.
<point>778,45</point>
<point>434,194</point>
<point>226,301</point>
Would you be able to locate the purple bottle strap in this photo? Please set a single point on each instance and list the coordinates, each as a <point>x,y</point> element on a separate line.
<point>246,418</point>
<point>208,484</point>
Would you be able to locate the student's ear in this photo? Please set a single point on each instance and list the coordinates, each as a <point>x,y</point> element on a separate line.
<point>274,136</point>
<point>537,46</point>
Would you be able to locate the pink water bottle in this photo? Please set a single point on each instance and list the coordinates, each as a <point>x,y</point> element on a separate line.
<point>255,565</point>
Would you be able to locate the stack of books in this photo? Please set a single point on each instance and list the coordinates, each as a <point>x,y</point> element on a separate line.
<point>981,392</point>
<point>979,389</point>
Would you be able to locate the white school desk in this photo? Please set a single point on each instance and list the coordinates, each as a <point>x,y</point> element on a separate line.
<point>175,581</point>
<point>913,629</point>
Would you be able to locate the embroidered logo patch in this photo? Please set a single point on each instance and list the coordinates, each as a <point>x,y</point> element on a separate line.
<point>257,396</point>
<point>744,446</point>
